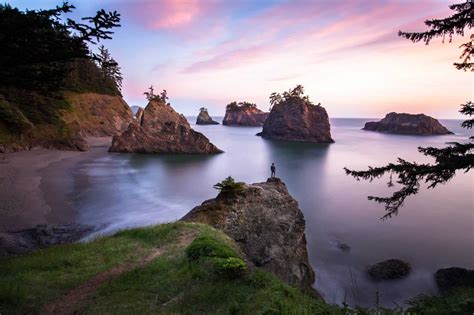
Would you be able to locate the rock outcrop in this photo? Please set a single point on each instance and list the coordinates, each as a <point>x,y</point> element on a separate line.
<point>267,224</point>
<point>139,115</point>
<point>98,115</point>
<point>41,236</point>
<point>408,124</point>
<point>450,278</point>
<point>389,270</point>
<point>162,130</point>
<point>296,119</point>
<point>204,119</point>
<point>244,114</point>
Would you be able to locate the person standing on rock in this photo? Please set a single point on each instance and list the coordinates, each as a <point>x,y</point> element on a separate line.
<point>273,169</point>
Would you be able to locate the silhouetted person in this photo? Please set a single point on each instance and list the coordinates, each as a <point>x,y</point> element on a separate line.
<point>273,169</point>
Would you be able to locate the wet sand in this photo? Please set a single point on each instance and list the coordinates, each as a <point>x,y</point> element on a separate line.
<point>36,187</point>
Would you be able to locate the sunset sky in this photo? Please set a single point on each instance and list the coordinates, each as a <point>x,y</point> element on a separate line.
<point>346,54</point>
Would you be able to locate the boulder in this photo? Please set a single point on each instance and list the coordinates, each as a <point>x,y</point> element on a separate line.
<point>296,119</point>
<point>449,278</point>
<point>408,124</point>
<point>268,225</point>
<point>244,114</point>
<point>41,236</point>
<point>389,270</point>
<point>162,130</point>
<point>204,119</point>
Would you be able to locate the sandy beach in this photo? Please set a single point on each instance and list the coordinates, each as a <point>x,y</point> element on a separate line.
<point>36,186</point>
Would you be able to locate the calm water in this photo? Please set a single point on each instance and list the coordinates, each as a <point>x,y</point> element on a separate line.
<point>433,230</point>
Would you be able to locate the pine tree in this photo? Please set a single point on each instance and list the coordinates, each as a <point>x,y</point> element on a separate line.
<point>109,67</point>
<point>447,160</point>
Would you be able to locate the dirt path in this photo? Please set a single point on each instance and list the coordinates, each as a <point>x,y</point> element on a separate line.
<point>69,303</point>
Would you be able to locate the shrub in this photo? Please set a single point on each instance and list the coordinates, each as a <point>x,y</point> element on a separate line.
<point>207,247</point>
<point>232,267</point>
<point>229,185</point>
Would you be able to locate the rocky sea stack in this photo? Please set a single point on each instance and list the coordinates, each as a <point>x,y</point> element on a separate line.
<point>408,124</point>
<point>267,224</point>
<point>294,118</point>
<point>454,277</point>
<point>389,269</point>
<point>204,119</point>
<point>162,130</point>
<point>244,114</point>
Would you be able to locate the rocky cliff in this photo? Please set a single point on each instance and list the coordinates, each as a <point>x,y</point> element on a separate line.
<point>162,130</point>
<point>204,119</point>
<point>296,119</point>
<point>244,114</point>
<point>408,124</point>
<point>267,224</point>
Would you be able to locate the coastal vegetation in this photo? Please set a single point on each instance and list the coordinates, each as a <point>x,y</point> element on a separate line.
<point>42,56</point>
<point>448,160</point>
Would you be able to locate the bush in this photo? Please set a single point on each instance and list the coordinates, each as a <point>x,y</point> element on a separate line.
<point>207,247</point>
<point>229,185</point>
<point>232,267</point>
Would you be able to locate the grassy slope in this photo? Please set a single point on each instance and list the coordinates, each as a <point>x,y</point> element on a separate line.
<point>169,283</point>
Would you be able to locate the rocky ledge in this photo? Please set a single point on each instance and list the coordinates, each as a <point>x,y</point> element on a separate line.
<point>267,224</point>
<point>408,124</point>
<point>244,114</point>
<point>296,119</point>
<point>389,270</point>
<point>41,236</point>
<point>162,130</point>
<point>204,119</point>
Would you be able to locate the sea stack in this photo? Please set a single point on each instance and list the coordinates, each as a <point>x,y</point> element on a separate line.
<point>294,118</point>
<point>204,119</point>
<point>162,130</point>
<point>244,114</point>
<point>408,124</point>
<point>266,222</point>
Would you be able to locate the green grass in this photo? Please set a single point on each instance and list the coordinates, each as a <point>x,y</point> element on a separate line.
<point>173,283</point>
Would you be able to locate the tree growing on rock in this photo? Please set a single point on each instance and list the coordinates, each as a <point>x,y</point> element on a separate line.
<point>447,160</point>
<point>295,94</point>
<point>151,96</point>
<point>229,186</point>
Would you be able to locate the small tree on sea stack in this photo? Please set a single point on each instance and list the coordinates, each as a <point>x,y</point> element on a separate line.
<point>229,186</point>
<point>448,160</point>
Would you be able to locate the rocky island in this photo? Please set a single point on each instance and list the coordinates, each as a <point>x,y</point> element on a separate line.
<point>204,119</point>
<point>162,130</point>
<point>244,114</point>
<point>407,124</point>
<point>294,118</point>
<point>266,222</point>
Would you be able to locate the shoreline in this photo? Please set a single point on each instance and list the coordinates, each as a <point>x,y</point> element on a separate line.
<point>37,186</point>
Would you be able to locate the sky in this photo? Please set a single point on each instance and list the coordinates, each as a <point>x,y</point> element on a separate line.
<point>346,54</point>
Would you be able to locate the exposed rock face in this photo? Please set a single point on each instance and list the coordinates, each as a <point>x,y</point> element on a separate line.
<point>244,116</point>
<point>408,124</point>
<point>453,277</point>
<point>41,236</point>
<point>98,115</point>
<point>204,119</point>
<point>298,120</point>
<point>389,269</point>
<point>267,224</point>
<point>162,130</point>
<point>139,115</point>
<point>134,109</point>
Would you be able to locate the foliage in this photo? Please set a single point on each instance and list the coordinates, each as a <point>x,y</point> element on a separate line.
<point>205,246</point>
<point>232,267</point>
<point>234,106</point>
<point>292,95</point>
<point>13,118</point>
<point>448,160</point>
<point>109,67</point>
<point>457,302</point>
<point>151,96</point>
<point>229,186</point>
<point>203,109</point>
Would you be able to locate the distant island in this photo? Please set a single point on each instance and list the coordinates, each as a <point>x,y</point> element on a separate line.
<point>204,119</point>
<point>244,114</point>
<point>294,118</point>
<point>408,124</point>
